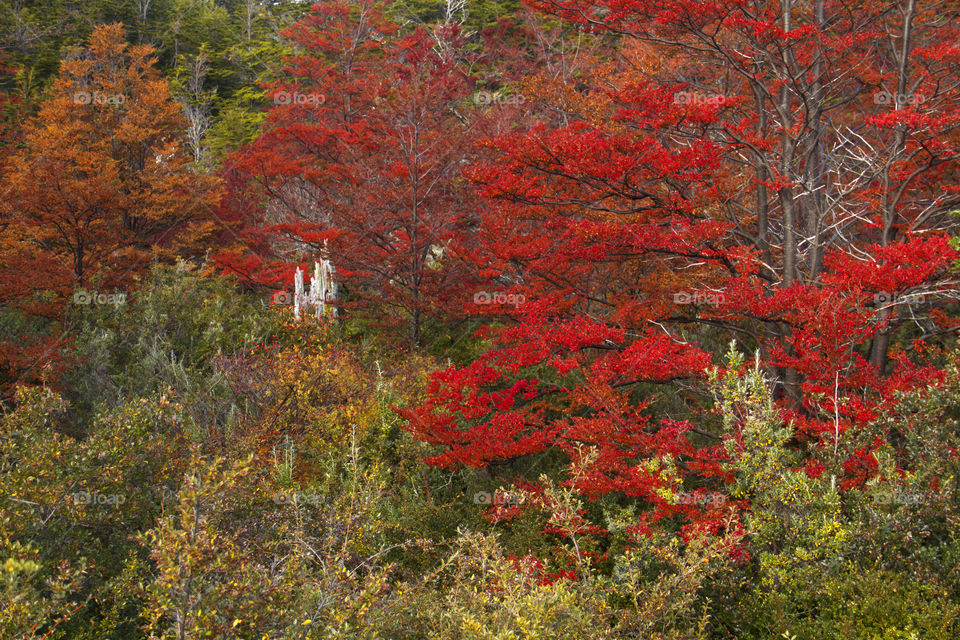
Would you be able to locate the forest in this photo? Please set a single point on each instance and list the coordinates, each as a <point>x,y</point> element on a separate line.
<point>480,319</point>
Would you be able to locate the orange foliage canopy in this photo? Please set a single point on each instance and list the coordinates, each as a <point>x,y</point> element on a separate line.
<point>102,182</point>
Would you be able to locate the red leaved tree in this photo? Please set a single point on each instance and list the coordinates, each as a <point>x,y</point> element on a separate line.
<point>739,178</point>
<point>360,161</point>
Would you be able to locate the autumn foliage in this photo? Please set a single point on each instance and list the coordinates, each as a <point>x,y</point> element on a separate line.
<point>102,184</point>
<point>710,203</point>
<point>645,327</point>
<point>359,160</point>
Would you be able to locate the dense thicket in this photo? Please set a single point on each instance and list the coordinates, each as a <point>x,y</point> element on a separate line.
<point>645,322</point>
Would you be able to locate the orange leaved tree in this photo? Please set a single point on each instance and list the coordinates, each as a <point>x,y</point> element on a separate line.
<point>103,181</point>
